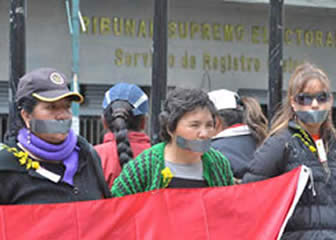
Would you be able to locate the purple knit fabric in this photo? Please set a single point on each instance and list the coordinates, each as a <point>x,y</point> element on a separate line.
<point>66,152</point>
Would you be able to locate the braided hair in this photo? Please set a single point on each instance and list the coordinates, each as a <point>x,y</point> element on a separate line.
<point>119,119</point>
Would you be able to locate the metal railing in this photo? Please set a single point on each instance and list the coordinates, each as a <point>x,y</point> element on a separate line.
<point>92,129</point>
<point>3,126</point>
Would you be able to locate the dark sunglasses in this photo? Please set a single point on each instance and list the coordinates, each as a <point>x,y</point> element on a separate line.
<point>307,99</point>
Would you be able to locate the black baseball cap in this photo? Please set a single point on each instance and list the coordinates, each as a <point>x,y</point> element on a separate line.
<point>45,84</point>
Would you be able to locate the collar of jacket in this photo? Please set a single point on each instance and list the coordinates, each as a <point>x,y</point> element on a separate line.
<point>133,136</point>
<point>233,131</point>
<point>294,126</point>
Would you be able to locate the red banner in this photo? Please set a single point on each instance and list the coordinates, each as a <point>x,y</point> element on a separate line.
<point>249,211</point>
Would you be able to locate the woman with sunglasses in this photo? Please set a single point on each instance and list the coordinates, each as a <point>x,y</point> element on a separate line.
<point>302,133</point>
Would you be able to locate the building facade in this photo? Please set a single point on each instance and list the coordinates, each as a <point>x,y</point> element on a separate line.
<point>211,44</point>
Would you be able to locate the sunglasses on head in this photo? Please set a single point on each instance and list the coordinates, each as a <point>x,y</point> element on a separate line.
<point>307,99</point>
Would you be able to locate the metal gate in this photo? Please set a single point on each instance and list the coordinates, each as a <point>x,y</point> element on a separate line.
<point>92,129</point>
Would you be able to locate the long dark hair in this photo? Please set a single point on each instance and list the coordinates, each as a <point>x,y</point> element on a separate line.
<point>120,119</point>
<point>255,119</point>
<point>28,104</point>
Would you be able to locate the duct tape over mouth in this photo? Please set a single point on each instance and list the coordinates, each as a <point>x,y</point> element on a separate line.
<point>312,116</point>
<point>50,126</point>
<point>194,145</point>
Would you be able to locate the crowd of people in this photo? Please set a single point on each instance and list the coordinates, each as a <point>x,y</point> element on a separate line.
<point>207,139</point>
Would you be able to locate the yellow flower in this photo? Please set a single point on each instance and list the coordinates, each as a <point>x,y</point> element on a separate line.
<point>12,149</point>
<point>166,173</point>
<point>21,154</point>
<point>23,160</point>
<point>312,148</point>
<point>29,164</point>
<point>35,165</point>
<point>167,176</point>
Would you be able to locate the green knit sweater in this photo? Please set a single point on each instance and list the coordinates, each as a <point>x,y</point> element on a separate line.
<point>145,172</point>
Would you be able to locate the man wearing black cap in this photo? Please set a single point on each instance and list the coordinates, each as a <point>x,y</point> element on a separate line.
<point>48,162</point>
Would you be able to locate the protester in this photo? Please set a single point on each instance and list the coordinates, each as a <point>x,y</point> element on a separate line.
<point>302,133</point>
<point>241,126</point>
<point>184,159</point>
<point>125,107</point>
<point>47,162</point>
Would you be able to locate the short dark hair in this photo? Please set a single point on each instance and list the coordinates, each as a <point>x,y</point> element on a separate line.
<point>231,116</point>
<point>179,102</point>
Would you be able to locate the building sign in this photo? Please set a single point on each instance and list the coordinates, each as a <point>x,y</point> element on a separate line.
<point>210,45</point>
<point>139,28</point>
<point>227,50</point>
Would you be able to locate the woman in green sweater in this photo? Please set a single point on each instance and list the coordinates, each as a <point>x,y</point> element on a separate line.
<point>184,158</point>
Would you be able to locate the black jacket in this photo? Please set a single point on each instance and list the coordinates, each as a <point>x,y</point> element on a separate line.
<point>21,186</point>
<point>239,151</point>
<point>314,216</point>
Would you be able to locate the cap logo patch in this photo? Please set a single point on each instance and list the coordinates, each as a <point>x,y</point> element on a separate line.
<point>56,78</point>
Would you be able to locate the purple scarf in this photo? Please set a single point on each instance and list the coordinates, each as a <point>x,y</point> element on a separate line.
<point>66,152</point>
